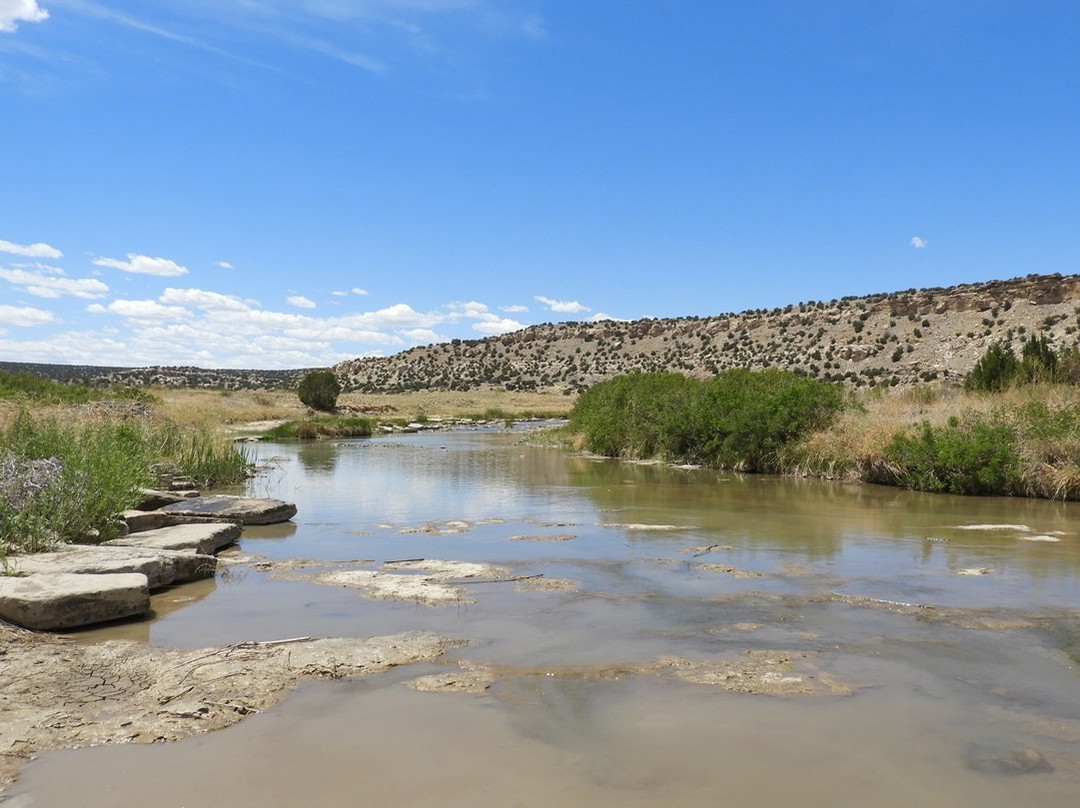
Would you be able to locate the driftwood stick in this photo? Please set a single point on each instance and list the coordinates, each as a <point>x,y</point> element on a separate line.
<point>493,580</point>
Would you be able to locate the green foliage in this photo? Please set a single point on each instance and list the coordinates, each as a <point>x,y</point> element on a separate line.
<point>970,457</point>
<point>327,426</point>
<point>1038,362</point>
<point>27,387</point>
<point>998,368</point>
<point>739,419</point>
<point>994,371</point>
<point>65,480</point>
<point>319,390</point>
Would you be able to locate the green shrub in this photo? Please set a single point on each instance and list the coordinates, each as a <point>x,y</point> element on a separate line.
<point>994,371</point>
<point>326,426</point>
<point>319,390</point>
<point>1038,362</point>
<point>970,457</point>
<point>739,419</point>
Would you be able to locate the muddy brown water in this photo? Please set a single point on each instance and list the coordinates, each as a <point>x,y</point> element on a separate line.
<point>943,659</point>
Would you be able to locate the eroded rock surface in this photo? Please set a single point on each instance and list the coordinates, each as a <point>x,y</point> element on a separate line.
<point>56,694</point>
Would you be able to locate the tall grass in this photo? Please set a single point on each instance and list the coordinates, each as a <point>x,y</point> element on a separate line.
<point>1024,441</point>
<point>65,476</point>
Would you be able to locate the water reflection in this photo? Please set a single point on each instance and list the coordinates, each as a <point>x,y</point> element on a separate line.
<point>864,580</point>
<point>318,456</point>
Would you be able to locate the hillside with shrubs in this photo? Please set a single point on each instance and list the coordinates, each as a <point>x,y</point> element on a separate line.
<point>890,339</point>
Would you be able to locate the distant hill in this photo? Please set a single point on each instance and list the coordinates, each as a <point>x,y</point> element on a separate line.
<point>898,338</point>
<point>168,376</point>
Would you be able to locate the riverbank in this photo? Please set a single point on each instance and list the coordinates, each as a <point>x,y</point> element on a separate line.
<point>1024,441</point>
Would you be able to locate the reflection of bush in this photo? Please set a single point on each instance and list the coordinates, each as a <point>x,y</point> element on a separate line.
<point>739,419</point>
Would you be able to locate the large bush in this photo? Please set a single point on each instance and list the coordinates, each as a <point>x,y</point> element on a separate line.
<point>739,419</point>
<point>964,457</point>
<point>320,390</point>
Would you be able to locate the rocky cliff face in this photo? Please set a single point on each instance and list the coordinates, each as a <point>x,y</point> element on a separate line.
<point>898,338</point>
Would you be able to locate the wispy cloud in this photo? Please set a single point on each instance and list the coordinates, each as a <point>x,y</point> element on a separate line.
<point>12,12</point>
<point>140,310</point>
<point>300,302</point>
<point>515,309</point>
<point>562,306</point>
<point>144,265</point>
<point>54,284</point>
<point>37,250</point>
<point>225,265</point>
<point>918,243</point>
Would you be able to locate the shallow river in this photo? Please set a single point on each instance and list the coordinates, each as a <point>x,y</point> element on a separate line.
<point>934,664</point>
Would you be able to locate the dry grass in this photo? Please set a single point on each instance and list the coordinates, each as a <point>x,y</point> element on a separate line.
<point>217,408</point>
<point>854,446</point>
<point>450,403</point>
<point>211,407</point>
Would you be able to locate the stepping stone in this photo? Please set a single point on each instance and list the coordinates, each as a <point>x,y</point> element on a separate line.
<point>138,521</point>
<point>52,602</point>
<point>161,567</point>
<point>152,500</point>
<point>204,538</point>
<point>249,510</point>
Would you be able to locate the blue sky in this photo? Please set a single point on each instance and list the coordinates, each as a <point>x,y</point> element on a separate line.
<point>288,183</point>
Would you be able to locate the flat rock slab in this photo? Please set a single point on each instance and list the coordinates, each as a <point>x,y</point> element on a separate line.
<point>152,499</point>
<point>138,521</point>
<point>249,510</point>
<point>58,601</point>
<point>205,539</point>
<point>161,567</point>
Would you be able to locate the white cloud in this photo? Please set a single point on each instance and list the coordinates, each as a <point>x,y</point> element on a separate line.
<point>300,302</point>
<point>421,335</point>
<point>562,306</point>
<point>515,309</point>
<point>25,316</point>
<point>918,243</point>
<point>140,310</point>
<point>601,316</point>
<point>144,265</point>
<point>54,284</point>
<point>208,301</point>
<point>12,12</point>
<point>356,290</point>
<point>225,265</point>
<point>496,325</point>
<point>339,293</point>
<point>37,250</point>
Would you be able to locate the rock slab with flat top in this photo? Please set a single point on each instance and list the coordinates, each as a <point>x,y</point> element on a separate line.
<point>249,510</point>
<point>204,538</point>
<point>60,601</point>
<point>161,567</point>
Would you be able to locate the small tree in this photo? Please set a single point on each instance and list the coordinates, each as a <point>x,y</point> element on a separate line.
<point>994,371</point>
<point>319,390</point>
<point>1038,361</point>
